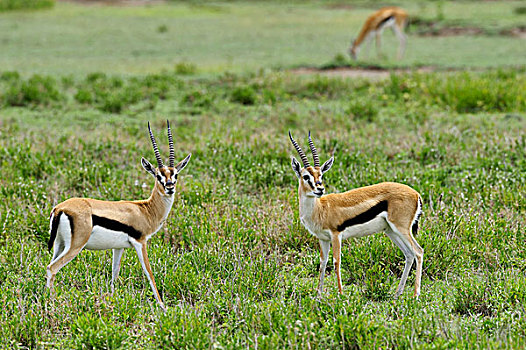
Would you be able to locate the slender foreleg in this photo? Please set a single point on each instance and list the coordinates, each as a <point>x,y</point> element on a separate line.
<point>140,248</point>
<point>324,257</point>
<point>336,256</point>
<point>116,266</point>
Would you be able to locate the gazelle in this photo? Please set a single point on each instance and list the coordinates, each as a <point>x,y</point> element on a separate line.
<point>79,223</point>
<point>389,207</point>
<point>386,17</point>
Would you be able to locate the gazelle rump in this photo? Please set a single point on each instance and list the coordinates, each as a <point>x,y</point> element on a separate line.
<point>386,17</point>
<point>387,207</point>
<point>79,223</point>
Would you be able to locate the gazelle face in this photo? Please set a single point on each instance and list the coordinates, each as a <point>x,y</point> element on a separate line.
<point>353,50</point>
<point>311,178</point>
<point>166,177</point>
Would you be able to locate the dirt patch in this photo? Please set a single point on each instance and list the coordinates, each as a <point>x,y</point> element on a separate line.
<point>518,32</point>
<point>451,31</point>
<point>348,72</point>
<point>116,2</point>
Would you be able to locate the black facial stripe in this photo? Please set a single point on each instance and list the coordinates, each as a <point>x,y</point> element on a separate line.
<point>364,217</point>
<point>115,225</point>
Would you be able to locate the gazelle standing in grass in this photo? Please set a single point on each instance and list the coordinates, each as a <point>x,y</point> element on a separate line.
<point>386,17</point>
<point>389,207</point>
<point>79,223</point>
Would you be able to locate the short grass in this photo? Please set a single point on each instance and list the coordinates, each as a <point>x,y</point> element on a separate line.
<point>77,39</point>
<point>233,263</point>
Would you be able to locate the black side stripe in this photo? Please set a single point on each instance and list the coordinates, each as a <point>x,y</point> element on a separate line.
<point>364,217</point>
<point>54,228</point>
<point>115,225</point>
<point>383,22</point>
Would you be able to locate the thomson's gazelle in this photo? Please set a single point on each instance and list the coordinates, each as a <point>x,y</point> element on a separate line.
<point>387,17</point>
<point>389,207</point>
<point>79,223</point>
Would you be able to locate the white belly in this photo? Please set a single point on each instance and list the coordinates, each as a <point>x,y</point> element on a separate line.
<point>378,224</point>
<point>102,239</point>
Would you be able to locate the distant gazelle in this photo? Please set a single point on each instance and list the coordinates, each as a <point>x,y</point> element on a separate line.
<point>79,223</point>
<point>389,207</point>
<point>386,17</point>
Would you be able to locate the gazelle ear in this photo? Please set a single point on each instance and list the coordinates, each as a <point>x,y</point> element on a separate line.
<point>327,165</point>
<point>296,167</point>
<point>147,166</point>
<point>180,166</point>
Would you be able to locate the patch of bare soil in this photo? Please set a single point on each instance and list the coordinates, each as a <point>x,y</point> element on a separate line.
<point>116,2</point>
<point>452,31</point>
<point>518,32</point>
<point>344,72</point>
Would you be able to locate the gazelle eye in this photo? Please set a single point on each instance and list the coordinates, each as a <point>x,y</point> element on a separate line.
<point>306,177</point>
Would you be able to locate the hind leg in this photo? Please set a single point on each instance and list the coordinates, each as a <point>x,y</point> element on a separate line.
<point>405,237</point>
<point>409,258</point>
<point>74,237</point>
<point>402,38</point>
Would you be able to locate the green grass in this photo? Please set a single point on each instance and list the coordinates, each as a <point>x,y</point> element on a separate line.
<point>233,263</point>
<point>239,37</point>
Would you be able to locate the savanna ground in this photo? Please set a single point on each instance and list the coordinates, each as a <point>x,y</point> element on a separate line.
<point>233,263</point>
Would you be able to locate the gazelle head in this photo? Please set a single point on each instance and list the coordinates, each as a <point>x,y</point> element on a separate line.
<point>310,177</point>
<point>353,50</point>
<point>165,176</point>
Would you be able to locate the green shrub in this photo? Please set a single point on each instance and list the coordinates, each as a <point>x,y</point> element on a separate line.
<point>362,109</point>
<point>197,98</point>
<point>8,5</point>
<point>37,90</point>
<point>185,68</point>
<point>244,95</point>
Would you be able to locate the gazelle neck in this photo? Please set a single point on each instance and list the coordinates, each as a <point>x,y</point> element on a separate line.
<point>307,203</point>
<point>159,204</point>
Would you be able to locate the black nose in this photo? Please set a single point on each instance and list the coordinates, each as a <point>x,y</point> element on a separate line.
<point>318,182</point>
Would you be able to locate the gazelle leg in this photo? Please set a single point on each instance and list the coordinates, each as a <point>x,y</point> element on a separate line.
<point>336,256</point>
<point>60,262</point>
<point>402,39</point>
<point>140,248</point>
<point>324,257</point>
<point>72,243</point>
<point>367,43</point>
<point>379,43</point>
<point>409,258</point>
<point>115,266</point>
<point>419,252</point>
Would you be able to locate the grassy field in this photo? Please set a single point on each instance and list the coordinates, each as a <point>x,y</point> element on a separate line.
<point>233,263</point>
<point>239,37</point>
